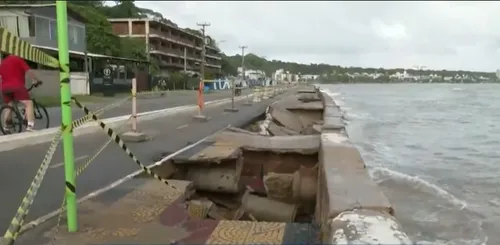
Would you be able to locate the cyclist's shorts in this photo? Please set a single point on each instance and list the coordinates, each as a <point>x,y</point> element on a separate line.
<point>16,94</point>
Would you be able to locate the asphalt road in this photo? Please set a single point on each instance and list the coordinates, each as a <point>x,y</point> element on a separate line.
<point>144,103</point>
<point>171,133</point>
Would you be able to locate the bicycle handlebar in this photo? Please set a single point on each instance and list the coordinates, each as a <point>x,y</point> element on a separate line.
<point>35,85</point>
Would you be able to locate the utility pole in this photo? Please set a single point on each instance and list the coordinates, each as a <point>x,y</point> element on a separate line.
<point>201,102</point>
<point>203,49</point>
<point>243,61</point>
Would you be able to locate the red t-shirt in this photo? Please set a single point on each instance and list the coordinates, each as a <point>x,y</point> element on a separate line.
<point>13,71</point>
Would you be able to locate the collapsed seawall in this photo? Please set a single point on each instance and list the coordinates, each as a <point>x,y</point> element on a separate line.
<point>291,177</point>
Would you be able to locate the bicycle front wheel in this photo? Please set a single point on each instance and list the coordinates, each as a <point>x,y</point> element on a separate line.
<point>17,121</point>
<point>41,115</point>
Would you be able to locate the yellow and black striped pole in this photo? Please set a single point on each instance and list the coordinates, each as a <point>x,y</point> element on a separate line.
<point>69,165</point>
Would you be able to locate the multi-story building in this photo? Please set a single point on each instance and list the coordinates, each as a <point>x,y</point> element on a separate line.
<point>37,24</point>
<point>175,48</point>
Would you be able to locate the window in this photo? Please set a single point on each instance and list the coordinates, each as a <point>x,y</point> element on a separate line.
<point>53,29</point>
<point>32,26</point>
<point>73,34</point>
<point>10,24</point>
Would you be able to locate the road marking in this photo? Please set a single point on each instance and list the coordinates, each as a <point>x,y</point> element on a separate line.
<point>183,126</point>
<point>62,163</point>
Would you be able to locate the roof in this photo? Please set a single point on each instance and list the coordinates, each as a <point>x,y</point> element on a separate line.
<point>91,54</point>
<point>44,5</point>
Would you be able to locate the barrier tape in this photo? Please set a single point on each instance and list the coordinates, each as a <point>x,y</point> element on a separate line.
<point>79,171</point>
<point>12,44</point>
<point>23,210</point>
<point>114,136</point>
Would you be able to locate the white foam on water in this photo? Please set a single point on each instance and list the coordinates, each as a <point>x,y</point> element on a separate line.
<point>417,183</point>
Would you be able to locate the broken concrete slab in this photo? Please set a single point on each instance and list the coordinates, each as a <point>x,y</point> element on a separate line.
<point>220,178</point>
<point>308,97</point>
<point>303,144</point>
<point>264,209</point>
<point>199,208</point>
<point>277,130</point>
<point>212,154</point>
<point>287,119</point>
<point>312,129</point>
<point>279,186</point>
<point>361,226</point>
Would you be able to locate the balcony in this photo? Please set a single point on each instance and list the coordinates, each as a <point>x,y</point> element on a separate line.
<point>155,32</point>
<point>172,52</point>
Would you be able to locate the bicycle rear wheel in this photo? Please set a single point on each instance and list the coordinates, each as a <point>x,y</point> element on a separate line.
<point>17,120</point>
<point>41,114</point>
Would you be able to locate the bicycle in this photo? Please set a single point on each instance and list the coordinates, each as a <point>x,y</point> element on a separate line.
<point>18,115</point>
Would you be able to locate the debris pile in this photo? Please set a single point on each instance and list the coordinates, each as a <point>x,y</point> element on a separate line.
<point>267,172</point>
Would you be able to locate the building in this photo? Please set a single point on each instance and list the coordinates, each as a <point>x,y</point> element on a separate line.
<point>251,74</point>
<point>37,24</point>
<point>175,48</point>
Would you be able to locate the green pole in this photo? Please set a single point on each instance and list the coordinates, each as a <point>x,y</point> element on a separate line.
<point>69,165</point>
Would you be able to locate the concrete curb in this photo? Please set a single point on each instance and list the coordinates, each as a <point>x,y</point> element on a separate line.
<point>14,141</point>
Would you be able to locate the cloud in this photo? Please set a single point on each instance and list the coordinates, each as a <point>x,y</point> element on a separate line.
<point>439,35</point>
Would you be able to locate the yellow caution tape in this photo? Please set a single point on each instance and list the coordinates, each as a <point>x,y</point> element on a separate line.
<point>114,136</point>
<point>12,44</point>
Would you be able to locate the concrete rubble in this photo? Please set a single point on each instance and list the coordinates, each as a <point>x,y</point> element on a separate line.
<point>295,165</point>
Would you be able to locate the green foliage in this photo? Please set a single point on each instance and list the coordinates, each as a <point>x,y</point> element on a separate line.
<point>338,74</point>
<point>100,37</point>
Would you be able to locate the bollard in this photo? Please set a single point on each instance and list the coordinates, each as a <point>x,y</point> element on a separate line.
<point>201,104</point>
<point>232,109</point>
<point>134,135</point>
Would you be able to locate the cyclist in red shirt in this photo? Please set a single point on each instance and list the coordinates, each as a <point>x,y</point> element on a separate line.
<point>13,70</point>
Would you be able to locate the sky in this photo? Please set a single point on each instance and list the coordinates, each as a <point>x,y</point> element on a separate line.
<point>432,34</point>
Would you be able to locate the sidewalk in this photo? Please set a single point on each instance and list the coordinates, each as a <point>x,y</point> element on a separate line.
<point>168,134</point>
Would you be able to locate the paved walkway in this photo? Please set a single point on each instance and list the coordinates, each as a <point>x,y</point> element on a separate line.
<point>169,134</point>
<point>145,211</point>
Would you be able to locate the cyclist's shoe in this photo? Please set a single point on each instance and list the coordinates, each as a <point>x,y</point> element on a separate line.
<point>30,129</point>
<point>7,130</point>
